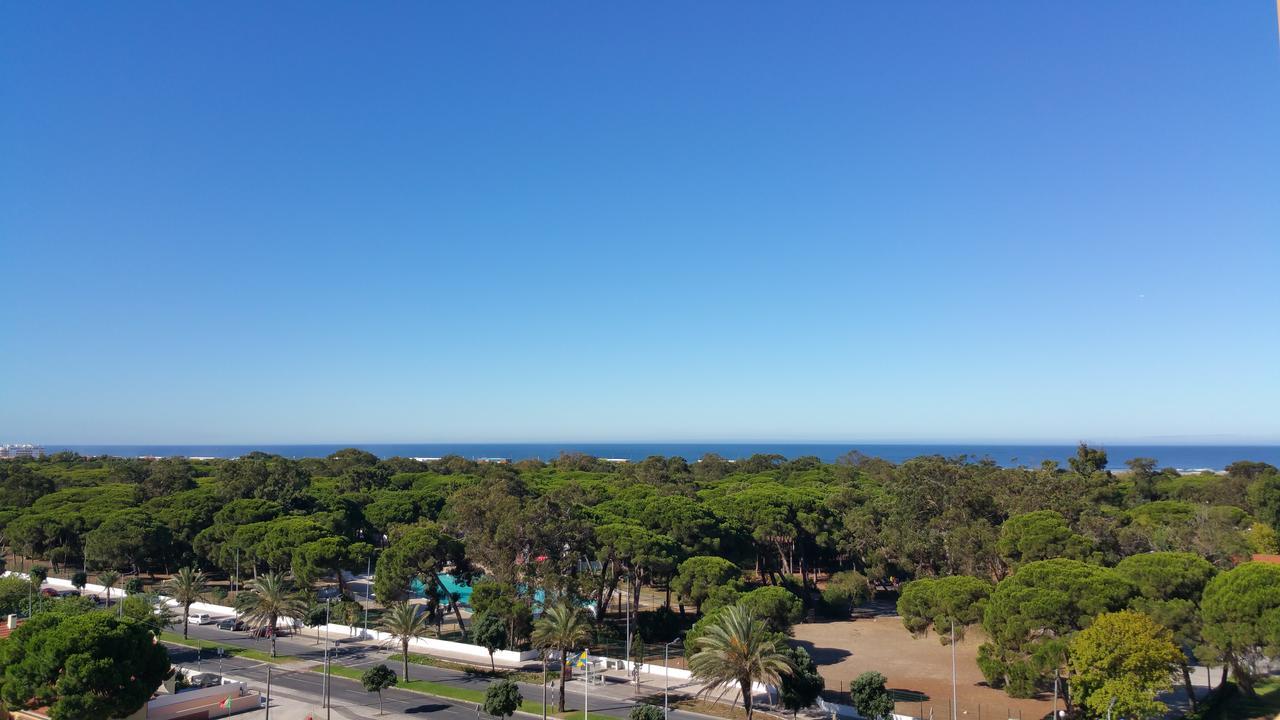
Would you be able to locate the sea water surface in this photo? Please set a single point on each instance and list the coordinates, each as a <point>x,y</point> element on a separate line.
<point>1183,457</point>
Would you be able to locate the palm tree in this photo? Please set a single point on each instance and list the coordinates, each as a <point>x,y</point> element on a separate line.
<point>404,622</point>
<point>266,600</point>
<point>737,648</point>
<point>561,628</point>
<point>186,588</point>
<point>108,580</point>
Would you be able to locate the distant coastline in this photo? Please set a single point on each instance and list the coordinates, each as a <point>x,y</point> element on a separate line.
<point>1183,457</point>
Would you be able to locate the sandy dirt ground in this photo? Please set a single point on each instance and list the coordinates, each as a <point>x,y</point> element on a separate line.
<point>846,649</point>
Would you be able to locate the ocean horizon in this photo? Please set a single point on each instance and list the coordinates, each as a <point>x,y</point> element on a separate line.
<point>1183,457</point>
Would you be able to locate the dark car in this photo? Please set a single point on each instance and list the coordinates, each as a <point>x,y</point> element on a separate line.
<point>49,592</point>
<point>231,624</point>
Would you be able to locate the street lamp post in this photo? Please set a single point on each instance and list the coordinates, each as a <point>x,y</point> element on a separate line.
<point>666,673</point>
<point>324,700</point>
<point>953,671</point>
<point>368,580</point>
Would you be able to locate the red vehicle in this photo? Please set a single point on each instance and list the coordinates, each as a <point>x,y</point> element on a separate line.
<point>49,592</point>
<point>262,632</point>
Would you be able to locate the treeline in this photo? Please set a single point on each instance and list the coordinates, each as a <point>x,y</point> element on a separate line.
<point>704,532</point>
<point>777,518</point>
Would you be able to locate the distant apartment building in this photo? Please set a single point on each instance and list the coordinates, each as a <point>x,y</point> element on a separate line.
<point>10,452</point>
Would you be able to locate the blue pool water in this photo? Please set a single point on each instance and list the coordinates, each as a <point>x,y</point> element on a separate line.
<point>462,590</point>
<point>451,586</point>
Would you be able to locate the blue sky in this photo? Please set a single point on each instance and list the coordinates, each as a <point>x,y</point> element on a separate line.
<point>664,221</point>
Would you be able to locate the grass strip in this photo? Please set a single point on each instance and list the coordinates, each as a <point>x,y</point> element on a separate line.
<point>467,695</point>
<point>477,670</point>
<point>232,650</point>
<point>1232,704</point>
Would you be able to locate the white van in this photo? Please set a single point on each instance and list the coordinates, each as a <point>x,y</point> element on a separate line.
<point>200,619</point>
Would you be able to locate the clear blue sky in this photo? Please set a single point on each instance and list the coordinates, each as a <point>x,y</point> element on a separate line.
<point>656,221</point>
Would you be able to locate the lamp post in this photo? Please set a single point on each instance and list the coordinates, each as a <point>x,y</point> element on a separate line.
<point>368,580</point>
<point>324,700</point>
<point>666,673</point>
<point>953,670</point>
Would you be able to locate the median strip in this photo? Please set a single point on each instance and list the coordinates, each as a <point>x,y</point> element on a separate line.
<point>232,650</point>
<point>467,695</point>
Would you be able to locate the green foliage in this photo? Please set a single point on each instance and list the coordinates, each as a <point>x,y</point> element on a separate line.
<point>738,649</point>
<point>128,539</point>
<point>1087,460</point>
<point>1264,497</point>
<point>378,678</point>
<point>1040,535</point>
<point>1033,611</point>
<point>187,587</point>
<point>844,591</point>
<point>560,629</point>
<point>502,698</point>
<point>79,579</point>
<point>81,665</point>
<point>405,623</point>
<point>870,698</point>
<point>14,594</point>
<point>1240,610</point>
<point>941,602</point>
<point>722,597</point>
<point>1124,657</point>
<point>779,608</point>
<point>645,711</point>
<point>1167,575</point>
<point>490,632</point>
<point>698,576</point>
<point>268,599</point>
<point>802,686</point>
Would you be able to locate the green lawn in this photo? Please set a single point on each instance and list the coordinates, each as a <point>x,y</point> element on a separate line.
<point>233,650</point>
<point>1239,707</point>
<point>449,692</point>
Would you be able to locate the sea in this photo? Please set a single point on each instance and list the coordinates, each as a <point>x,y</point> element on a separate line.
<point>1183,457</point>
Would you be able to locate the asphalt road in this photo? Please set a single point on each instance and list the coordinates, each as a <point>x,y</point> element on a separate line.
<point>350,701</point>
<point>348,694</point>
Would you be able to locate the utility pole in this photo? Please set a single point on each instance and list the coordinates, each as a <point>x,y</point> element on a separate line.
<point>627,657</point>
<point>1055,693</point>
<point>268,692</point>
<point>953,670</point>
<point>544,684</point>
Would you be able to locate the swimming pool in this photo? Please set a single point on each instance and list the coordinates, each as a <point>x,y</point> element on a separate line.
<point>462,590</point>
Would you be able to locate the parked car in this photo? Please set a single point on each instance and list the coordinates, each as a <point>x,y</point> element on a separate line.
<point>231,624</point>
<point>262,632</point>
<point>200,619</point>
<point>68,593</point>
<point>329,592</point>
<point>49,592</point>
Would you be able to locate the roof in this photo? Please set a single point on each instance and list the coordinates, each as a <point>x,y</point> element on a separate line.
<point>1271,559</point>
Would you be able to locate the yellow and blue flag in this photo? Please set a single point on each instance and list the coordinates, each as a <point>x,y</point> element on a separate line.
<point>581,662</point>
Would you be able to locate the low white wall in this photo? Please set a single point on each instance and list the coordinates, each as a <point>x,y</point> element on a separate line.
<point>847,711</point>
<point>219,692</point>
